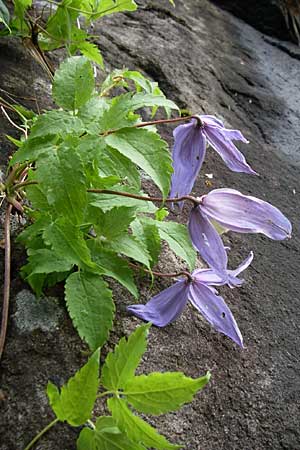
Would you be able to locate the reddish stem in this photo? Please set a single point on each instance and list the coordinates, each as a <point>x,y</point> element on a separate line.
<point>164,275</point>
<point>6,289</point>
<point>145,198</point>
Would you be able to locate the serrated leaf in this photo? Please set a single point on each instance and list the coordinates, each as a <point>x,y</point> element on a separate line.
<point>106,436</point>
<point>67,241</point>
<point>91,51</point>
<point>62,178</point>
<point>179,241</point>
<point>73,83</point>
<point>120,114</point>
<point>135,428</point>
<point>75,402</point>
<point>45,261</point>
<point>114,163</point>
<point>109,201</point>
<point>57,122</point>
<point>113,223</point>
<point>159,393</point>
<point>112,6</point>
<point>91,113</point>
<point>113,266</point>
<point>148,234</point>
<point>148,151</point>
<point>120,365</point>
<point>90,306</point>
<point>32,148</point>
<point>128,245</point>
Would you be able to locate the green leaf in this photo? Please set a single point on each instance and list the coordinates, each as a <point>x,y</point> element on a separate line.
<point>135,428</point>
<point>73,83</point>
<point>90,306</point>
<point>120,365</point>
<point>148,234</point>
<point>113,223</point>
<point>114,163</point>
<point>106,436</point>
<point>112,6</point>
<point>120,114</point>
<point>32,148</point>
<point>62,178</point>
<point>91,113</point>
<point>91,51</point>
<point>161,214</point>
<point>148,151</point>
<point>160,393</point>
<point>109,201</point>
<point>45,261</point>
<point>179,241</point>
<point>76,400</point>
<point>67,241</point>
<point>113,266</point>
<point>57,122</point>
<point>129,246</point>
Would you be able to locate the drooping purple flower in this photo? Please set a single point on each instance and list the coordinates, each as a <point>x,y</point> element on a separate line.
<point>188,156</point>
<point>165,307</point>
<point>236,212</point>
<point>190,147</point>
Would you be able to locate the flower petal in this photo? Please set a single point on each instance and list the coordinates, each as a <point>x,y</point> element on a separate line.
<point>243,266</point>
<point>221,140</point>
<point>245,214</point>
<point>208,242</point>
<point>188,155</point>
<point>212,120</point>
<point>215,311</point>
<point>164,307</point>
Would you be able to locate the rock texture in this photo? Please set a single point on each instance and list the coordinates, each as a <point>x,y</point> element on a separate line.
<point>206,61</point>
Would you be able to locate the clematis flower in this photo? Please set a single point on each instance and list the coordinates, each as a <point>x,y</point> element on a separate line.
<point>237,212</point>
<point>165,307</point>
<point>190,148</point>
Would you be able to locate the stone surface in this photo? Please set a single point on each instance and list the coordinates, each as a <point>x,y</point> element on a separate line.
<point>206,61</point>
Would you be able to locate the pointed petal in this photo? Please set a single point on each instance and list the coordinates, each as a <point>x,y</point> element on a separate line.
<point>188,155</point>
<point>212,120</point>
<point>245,214</point>
<point>208,277</point>
<point>221,141</point>
<point>243,266</point>
<point>165,307</point>
<point>215,311</point>
<point>208,242</point>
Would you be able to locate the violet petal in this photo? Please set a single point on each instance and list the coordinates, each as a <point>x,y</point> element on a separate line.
<point>215,311</point>
<point>207,241</point>
<point>245,214</point>
<point>188,155</point>
<point>221,140</point>
<point>165,307</point>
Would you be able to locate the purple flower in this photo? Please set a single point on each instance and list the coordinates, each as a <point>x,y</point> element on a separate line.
<point>190,147</point>
<point>236,212</point>
<point>165,307</point>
